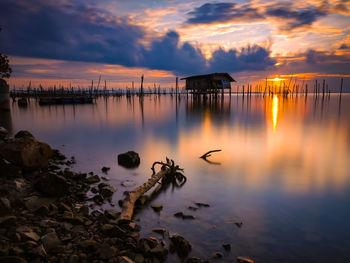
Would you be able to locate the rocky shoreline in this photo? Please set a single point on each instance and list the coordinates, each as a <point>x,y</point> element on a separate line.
<point>47,212</point>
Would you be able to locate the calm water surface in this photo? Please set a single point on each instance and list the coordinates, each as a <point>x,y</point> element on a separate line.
<point>283,170</point>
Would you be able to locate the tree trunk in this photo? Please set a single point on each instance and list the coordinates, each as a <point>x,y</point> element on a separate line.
<point>131,197</point>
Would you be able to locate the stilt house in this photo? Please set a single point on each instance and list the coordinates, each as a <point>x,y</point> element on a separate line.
<point>208,84</point>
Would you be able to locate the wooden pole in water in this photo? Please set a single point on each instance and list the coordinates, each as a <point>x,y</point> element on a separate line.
<point>177,86</point>
<point>141,90</point>
<point>341,86</point>
<point>323,86</point>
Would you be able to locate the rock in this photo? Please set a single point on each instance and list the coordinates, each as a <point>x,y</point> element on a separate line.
<point>159,230</point>
<point>112,214</point>
<point>8,169</point>
<point>157,207</point>
<point>112,230</point>
<point>194,260</point>
<point>106,251</point>
<point>92,179</point>
<point>38,251</point>
<point>25,151</point>
<point>89,245</point>
<point>33,203</point>
<point>244,260</point>
<point>143,199</point>
<point>227,247</point>
<point>3,133</point>
<point>7,220</point>
<point>107,191</point>
<point>23,133</point>
<point>50,241</point>
<point>5,206</point>
<point>159,252</point>
<point>181,245</point>
<point>202,205</point>
<point>183,216</point>
<point>193,208</point>
<point>128,183</point>
<point>12,259</point>
<point>139,258</point>
<point>238,224</point>
<point>98,199</point>
<point>125,259</point>
<point>51,184</point>
<point>105,169</point>
<point>30,235</point>
<point>217,255</point>
<point>73,218</point>
<point>129,159</point>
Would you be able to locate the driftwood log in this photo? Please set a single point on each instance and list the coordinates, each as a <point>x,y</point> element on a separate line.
<point>208,154</point>
<point>168,173</point>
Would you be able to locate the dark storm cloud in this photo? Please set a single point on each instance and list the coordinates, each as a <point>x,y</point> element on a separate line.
<point>319,61</point>
<point>75,32</point>
<point>79,32</point>
<point>297,17</point>
<point>222,12</point>
<point>166,53</point>
<point>293,17</point>
<point>249,58</point>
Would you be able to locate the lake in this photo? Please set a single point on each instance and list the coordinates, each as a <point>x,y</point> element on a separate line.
<point>284,168</point>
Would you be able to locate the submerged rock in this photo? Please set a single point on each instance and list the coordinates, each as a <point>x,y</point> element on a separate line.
<point>183,216</point>
<point>105,169</point>
<point>227,247</point>
<point>92,179</point>
<point>129,159</point>
<point>181,245</point>
<point>157,207</point>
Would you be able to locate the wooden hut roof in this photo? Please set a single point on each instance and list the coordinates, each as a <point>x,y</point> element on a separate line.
<point>212,75</point>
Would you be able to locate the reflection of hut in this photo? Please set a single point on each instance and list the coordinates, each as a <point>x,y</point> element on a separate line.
<point>210,83</point>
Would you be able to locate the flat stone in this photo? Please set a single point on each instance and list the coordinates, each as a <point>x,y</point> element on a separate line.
<point>5,206</point>
<point>107,191</point>
<point>112,230</point>
<point>125,259</point>
<point>51,241</point>
<point>128,183</point>
<point>112,213</point>
<point>8,220</point>
<point>159,230</point>
<point>244,260</point>
<point>202,204</point>
<point>30,236</point>
<point>89,245</point>
<point>106,251</point>
<point>92,179</point>
<point>12,259</point>
<point>194,260</point>
<point>159,252</point>
<point>33,203</point>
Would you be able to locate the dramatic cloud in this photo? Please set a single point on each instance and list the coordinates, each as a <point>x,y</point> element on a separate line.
<point>168,54</point>
<point>318,61</point>
<point>77,32</point>
<point>249,58</point>
<point>296,17</point>
<point>67,31</point>
<point>291,17</point>
<point>222,12</point>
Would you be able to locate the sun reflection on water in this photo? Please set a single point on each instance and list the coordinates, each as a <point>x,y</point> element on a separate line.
<point>275,111</point>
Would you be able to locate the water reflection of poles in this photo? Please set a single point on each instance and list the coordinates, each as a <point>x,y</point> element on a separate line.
<point>142,114</point>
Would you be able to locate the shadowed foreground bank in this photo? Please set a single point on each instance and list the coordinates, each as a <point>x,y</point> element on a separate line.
<point>46,216</point>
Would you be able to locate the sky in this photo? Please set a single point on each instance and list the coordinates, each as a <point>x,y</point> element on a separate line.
<point>71,42</point>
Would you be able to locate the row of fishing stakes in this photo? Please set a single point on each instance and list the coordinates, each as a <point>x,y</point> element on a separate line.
<point>289,89</point>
